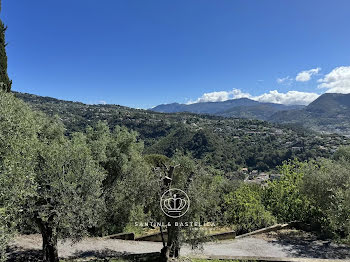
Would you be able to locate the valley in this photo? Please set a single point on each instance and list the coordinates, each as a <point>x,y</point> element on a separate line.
<point>227,144</point>
<point>330,113</point>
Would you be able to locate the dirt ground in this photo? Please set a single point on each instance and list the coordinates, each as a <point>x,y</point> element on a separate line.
<point>283,243</point>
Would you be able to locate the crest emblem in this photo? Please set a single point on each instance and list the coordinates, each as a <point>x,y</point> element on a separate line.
<point>174,203</point>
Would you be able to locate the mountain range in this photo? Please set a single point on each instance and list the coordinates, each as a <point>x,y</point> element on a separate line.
<point>224,143</point>
<point>329,113</point>
<point>237,108</point>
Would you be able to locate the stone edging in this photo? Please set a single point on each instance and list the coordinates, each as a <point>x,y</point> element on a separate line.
<point>265,230</point>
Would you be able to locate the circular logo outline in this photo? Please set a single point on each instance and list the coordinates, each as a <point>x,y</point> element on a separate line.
<point>162,200</point>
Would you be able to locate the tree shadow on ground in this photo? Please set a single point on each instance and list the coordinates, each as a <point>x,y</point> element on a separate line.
<point>19,255</point>
<point>304,244</point>
<point>108,253</point>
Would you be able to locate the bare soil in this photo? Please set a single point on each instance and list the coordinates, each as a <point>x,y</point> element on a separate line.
<point>283,243</point>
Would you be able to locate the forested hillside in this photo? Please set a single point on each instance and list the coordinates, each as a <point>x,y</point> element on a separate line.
<point>239,108</point>
<point>329,113</point>
<point>101,181</point>
<point>70,170</point>
<point>225,143</point>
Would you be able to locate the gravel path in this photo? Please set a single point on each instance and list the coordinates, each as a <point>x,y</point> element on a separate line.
<point>286,243</point>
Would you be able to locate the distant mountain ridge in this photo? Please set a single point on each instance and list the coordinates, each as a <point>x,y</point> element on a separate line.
<point>330,102</point>
<point>226,144</point>
<point>238,108</point>
<point>329,113</point>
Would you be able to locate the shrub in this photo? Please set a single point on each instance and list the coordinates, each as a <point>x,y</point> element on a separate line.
<point>245,209</point>
<point>327,186</point>
<point>283,197</point>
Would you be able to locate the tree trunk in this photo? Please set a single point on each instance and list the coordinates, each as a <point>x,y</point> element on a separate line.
<point>172,248</point>
<point>50,245</point>
<point>176,241</point>
<point>165,254</point>
<point>49,236</point>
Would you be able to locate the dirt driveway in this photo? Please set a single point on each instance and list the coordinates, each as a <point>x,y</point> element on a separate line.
<point>284,243</point>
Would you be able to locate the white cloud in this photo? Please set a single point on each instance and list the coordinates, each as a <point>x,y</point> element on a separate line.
<point>237,93</point>
<point>221,96</point>
<point>305,76</point>
<point>289,98</point>
<point>284,80</point>
<point>337,81</point>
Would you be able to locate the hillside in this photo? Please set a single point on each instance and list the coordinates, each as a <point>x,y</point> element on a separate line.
<point>226,144</point>
<point>239,108</point>
<point>204,107</point>
<point>329,113</point>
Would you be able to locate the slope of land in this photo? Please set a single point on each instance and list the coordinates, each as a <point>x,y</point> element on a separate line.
<point>226,144</point>
<point>239,108</point>
<point>329,113</point>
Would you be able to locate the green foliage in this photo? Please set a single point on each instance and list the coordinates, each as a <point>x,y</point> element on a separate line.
<point>5,82</point>
<point>207,195</point>
<point>101,182</point>
<point>137,214</point>
<point>206,190</point>
<point>129,183</point>
<point>315,192</point>
<point>98,139</point>
<point>283,197</point>
<point>244,208</point>
<point>327,186</point>
<point>5,234</point>
<point>65,196</point>
<point>328,113</point>
<point>18,142</point>
<point>46,177</point>
<point>157,160</point>
<point>223,143</point>
<point>342,153</point>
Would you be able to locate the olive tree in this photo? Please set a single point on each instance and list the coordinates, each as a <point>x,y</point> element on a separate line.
<point>205,188</point>
<point>67,199</point>
<point>18,144</point>
<point>129,183</point>
<point>46,177</point>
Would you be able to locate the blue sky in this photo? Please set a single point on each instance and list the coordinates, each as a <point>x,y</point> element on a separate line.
<point>143,53</point>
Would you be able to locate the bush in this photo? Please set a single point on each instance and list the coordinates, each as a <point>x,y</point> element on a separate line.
<point>283,197</point>
<point>245,209</point>
<point>327,186</point>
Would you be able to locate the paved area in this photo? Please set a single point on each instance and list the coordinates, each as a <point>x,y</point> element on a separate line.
<point>285,243</point>
<point>273,245</point>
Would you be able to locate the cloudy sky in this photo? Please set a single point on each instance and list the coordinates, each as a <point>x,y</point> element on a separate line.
<point>336,81</point>
<point>144,53</point>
